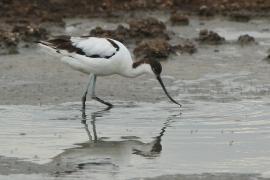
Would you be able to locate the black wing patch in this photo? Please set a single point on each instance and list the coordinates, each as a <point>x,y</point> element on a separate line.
<point>64,42</point>
<point>113,44</point>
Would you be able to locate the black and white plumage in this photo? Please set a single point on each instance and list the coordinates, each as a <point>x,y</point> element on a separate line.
<point>101,57</point>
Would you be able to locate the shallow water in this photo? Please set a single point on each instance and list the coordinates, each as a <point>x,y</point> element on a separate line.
<point>223,128</point>
<point>137,140</point>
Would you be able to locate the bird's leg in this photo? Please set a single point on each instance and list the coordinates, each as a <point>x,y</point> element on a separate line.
<point>103,102</point>
<point>84,118</point>
<point>95,97</point>
<point>86,90</point>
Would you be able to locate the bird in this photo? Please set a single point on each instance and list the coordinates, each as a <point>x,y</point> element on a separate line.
<point>100,56</point>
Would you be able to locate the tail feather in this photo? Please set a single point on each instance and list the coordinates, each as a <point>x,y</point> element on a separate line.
<point>46,43</point>
<point>48,48</point>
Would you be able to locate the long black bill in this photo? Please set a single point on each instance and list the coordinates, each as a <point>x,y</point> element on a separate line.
<point>165,90</point>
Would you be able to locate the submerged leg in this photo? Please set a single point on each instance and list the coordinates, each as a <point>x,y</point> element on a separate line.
<point>94,96</point>
<point>91,76</point>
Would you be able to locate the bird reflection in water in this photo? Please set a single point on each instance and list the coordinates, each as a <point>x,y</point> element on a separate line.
<point>110,155</point>
<point>151,149</point>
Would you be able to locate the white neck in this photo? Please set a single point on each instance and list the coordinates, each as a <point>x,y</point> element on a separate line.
<point>140,70</point>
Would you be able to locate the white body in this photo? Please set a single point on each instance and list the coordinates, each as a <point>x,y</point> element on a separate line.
<point>101,57</point>
<point>119,63</point>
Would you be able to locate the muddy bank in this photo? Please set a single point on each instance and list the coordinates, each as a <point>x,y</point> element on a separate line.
<point>23,21</point>
<point>54,10</point>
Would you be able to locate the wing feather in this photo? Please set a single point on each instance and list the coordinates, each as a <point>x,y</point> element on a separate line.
<point>88,46</point>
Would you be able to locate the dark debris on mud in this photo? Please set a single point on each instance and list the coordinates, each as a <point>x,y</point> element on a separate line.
<point>240,16</point>
<point>29,33</point>
<point>179,18</point>
<point>155,48</point>
<point>9,40</point>
<point>160,49</point>
<point>8,43</point>
<point>210,37</point>
<point>246,40</point>
<point>187,46</point>
<point>146,28</point>
<point>206,11</point>
<point>21,20</point>
<point>121,33</point>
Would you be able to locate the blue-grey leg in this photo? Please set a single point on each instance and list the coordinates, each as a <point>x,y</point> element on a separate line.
<point>95,97</point>
<point>91,77</point>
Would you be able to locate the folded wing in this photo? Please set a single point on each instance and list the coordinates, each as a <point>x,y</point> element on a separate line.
<point>92,47</point>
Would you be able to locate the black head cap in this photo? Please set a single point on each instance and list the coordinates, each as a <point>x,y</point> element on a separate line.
<point>155,65</point>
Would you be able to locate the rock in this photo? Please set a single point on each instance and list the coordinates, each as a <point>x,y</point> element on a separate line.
<point>221,7</point>
<point>155,48</point>
<point>30,33</point>
<point>8,43</point>
<point>210,37</point>
<point>186,47</point>
<point>205,11</point>
<point>239,17</point>
<point>99,32</point>
<point>149,28</point>
<point>9,40</point>
<point>235,6</point>
<point>179,19</point>
<point>246,40</point>
<point>138,30</point>
<point>120,33</point>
